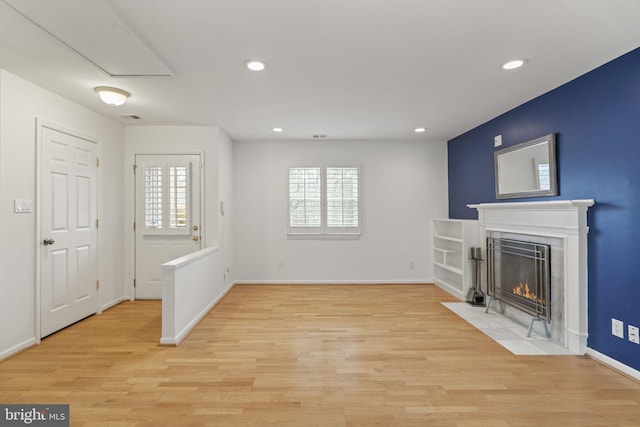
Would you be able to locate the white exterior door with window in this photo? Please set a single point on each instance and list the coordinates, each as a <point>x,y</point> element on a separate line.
<point>167,224</point>
<point>68,257</point>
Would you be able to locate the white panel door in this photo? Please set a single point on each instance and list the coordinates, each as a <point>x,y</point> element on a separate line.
<point>167,224</point>
<point>68,259</point>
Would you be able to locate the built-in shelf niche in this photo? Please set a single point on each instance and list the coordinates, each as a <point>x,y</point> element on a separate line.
<point>452,239</point>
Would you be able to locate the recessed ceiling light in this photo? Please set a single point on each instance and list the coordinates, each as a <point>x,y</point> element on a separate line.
<point>278,129</point>
<point>420,130</point>
<point>255,65</point>
<point>512,65</point>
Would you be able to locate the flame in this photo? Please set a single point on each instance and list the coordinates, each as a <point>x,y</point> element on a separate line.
<point>523,291</point>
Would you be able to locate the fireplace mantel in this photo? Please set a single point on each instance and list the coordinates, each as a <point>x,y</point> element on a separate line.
<point>564,219</point>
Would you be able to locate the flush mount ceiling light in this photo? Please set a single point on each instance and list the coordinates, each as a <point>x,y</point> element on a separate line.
<point>112,95</point>
<point>420,130</point>
<point>512,65</point>
<point>255,65</point>
<point>278,130</point>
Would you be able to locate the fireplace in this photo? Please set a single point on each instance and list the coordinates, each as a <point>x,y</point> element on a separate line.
<point>519,274</point>
<point>563,225</point>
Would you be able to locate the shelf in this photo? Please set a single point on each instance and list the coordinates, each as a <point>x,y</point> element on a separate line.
<point>449,288</point>
<point>447,238</point>
<point>451,278</point>
<point>450,268</point>
<point>447,251</point>
<point>451,242</point>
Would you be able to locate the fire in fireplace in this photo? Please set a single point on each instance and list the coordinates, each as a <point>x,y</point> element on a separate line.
<point>519,274</point>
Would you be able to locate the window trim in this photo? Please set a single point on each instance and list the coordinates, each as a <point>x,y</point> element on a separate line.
<point>324,231</point>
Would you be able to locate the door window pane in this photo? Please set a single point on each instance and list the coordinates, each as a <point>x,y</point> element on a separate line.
<point>177,197</point>
<point>153,197</point>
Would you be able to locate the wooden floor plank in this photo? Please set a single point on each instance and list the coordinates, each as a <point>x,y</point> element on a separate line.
<point>312,355</point>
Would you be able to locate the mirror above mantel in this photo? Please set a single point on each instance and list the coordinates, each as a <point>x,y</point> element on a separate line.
<point>527,169</point>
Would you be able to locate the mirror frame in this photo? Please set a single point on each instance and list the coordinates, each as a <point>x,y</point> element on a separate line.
<point>550,139</point>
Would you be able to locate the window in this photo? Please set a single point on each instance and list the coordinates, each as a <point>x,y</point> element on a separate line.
<point>177,197</point>
<point>166,198</point>
<point>153,197</point>
<point>324,200</point>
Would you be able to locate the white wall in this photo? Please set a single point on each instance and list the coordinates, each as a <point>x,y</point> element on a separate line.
<point>174,140</point>
<point>226,192</point>
<point>404,186</point>
<point>20,104</point>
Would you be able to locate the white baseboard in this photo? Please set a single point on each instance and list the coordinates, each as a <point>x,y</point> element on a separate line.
<point>113,303</point>
<point>612,363</point>
<point>17,348</point>
<point>451,290</point>
<point>334,282</point>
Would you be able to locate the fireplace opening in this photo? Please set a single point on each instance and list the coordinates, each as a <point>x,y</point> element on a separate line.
<point>519,274</point>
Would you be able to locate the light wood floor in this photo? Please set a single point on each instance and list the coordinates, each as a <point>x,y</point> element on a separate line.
<point>311,355</point>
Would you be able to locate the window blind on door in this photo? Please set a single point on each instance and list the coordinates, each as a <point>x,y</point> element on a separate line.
<point>167,189</point>
<point>153,197</point>
<point>178,197</point>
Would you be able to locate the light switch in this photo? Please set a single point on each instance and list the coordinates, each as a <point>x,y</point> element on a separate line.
<point>22,206</point>
<point>497,140</point>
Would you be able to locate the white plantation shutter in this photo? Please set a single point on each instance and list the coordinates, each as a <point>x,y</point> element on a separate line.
<point>178,192</point>
<point>305,195</point>
<point>153,197</point>
<point>324,200</point>
<point>167,188</point>
<point>342,199</point>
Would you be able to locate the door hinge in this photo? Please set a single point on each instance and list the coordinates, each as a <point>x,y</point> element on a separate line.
<point>97,223</point>
<point>97,284</point>
<point>134,169</point>
<point>134,226</point>
<point>97,161</point>
<point>134,283</point>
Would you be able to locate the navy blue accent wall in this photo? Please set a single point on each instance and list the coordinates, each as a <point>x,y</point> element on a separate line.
<point>596,119</point>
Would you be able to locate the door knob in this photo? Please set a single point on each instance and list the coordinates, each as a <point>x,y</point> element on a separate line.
<point>48,242</point>
<point>195,238</point>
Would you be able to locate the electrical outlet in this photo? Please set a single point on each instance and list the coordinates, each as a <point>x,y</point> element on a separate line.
<point>633,334</point>
<point>281,263</point>
<point>497,140</point>
<point>412,265</point>
<point>617,328</point>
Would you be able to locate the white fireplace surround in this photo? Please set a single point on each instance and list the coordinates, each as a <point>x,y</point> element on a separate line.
<point>563,219</point>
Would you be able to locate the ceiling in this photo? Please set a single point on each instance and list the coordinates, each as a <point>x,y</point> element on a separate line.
<point>347,69</point>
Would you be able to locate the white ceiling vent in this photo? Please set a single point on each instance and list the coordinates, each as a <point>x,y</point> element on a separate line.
<point>96,31</point>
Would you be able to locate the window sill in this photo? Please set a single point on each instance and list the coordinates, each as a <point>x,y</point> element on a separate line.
<point>318,236</point>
